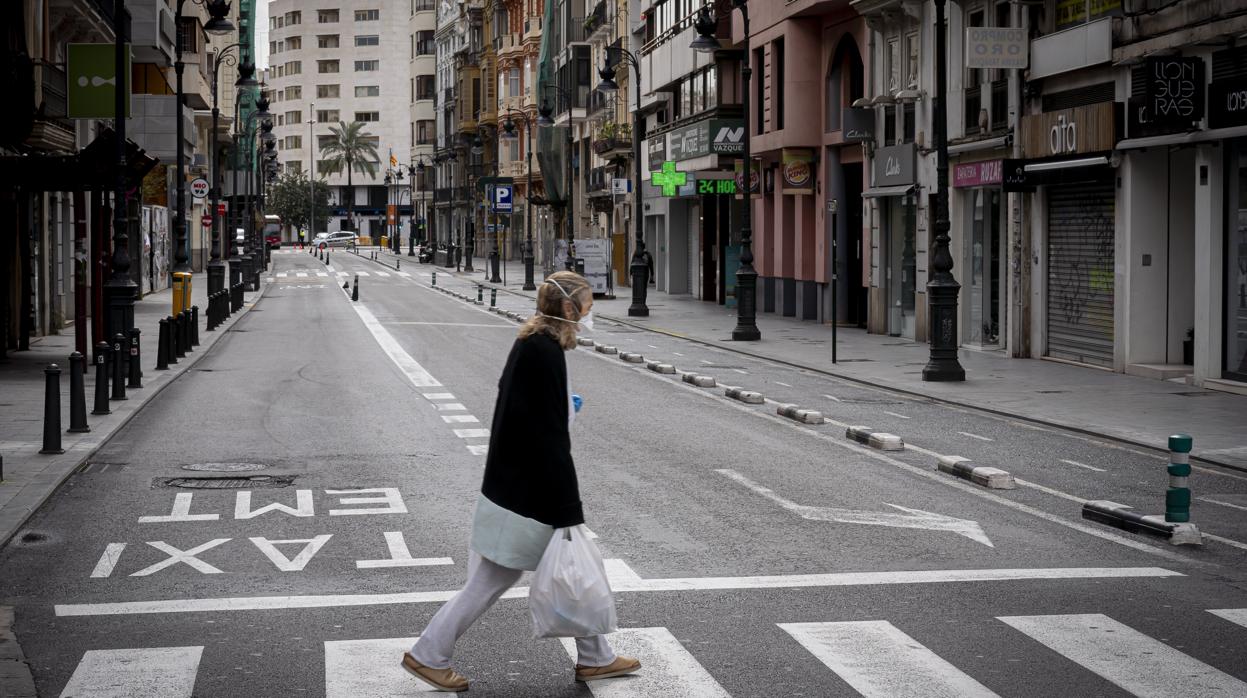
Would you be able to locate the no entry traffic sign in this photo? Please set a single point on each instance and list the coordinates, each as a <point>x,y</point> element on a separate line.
<point>206,220</point>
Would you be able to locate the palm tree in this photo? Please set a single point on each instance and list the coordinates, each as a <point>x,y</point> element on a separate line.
<point>351,148</point>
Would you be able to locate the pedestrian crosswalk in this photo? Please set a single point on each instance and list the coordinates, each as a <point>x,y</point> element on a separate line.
<point>872,657</point>
<point>339,274</point>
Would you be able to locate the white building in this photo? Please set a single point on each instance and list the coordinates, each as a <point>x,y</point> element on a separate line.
<point>343,61</point>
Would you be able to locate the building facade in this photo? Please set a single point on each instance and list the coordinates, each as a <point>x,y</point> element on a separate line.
<point>342,63</point>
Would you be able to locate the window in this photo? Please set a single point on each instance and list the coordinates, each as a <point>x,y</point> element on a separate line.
<point>374,141</point>
<point>424,43</point>
<point>292,18</point>
<point>294,67</point>
<point>367,116</point>
<point>281,120</point>
<point>367,91</point>
<point>367,15</point>
<point>760,87</point>
<point>327,16</point>
<point>367,66</point>
<point>778,93</point>
<point>712,88</point>
<point>326,67</point>
<point>328,91</point>
<point>294,43</point>
<point>367,40</point>
<point>294,92</point>
<point>273,47</point>
<point>327,116</point>
<point>514,80</point>
<point>322,141</point>
<point>327,41</point>
<point>294,117</point>
<point>292,142</point>
<point>425,131</point>
<point>425,87</point>
<point>294,165</point>
<point>892,65</point>
<point>911,62</point>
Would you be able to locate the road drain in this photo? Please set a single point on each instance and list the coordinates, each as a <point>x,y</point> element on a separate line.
<point>226,483</point>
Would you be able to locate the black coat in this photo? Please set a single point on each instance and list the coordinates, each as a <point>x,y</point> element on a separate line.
<point>529,469</point>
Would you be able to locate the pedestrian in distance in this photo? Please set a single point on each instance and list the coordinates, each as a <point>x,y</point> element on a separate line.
<point>649,264</point>
<point>529,490</point>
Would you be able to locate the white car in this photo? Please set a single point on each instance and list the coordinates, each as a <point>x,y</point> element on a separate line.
<point>341,239</point>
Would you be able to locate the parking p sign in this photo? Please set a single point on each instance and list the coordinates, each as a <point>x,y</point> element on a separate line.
<point>502,198</point>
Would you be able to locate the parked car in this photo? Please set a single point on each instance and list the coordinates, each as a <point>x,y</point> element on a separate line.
<point>341,239</point>
<point>273,240</point>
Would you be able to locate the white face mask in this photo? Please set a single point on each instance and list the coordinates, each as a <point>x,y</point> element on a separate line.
<point>585,321</point>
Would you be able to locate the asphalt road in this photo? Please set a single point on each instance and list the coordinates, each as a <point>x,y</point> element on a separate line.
<point>752,556</point>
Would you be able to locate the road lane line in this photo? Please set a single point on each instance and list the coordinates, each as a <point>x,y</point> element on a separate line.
<point>623,580</point>
<point>460,419</point>
<point>1224,504</point>
<point>1139,664</point>
<point>833,398</point>
<point>880,661</point>
<point>356,668</point>
<point>975,436</point>
<point>301,274</point>
<point>1083,465</point>
<point>108,561</point>
<point>361,273</point>
<point>439,396</point>
<point>415,373</point>
<point>125,673</point>
<point>472,433</point>
<point>895,414</point>
<point>478,449</point>
<point>450,324</point>
<point>668,668</point>
<point>783,384</point>
<point>449,406</point>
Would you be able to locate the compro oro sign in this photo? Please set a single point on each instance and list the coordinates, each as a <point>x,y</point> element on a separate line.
<point>996,47</point>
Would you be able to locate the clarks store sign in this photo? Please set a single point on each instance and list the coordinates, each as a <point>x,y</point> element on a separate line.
<point>894,165</point>
<point>1089,129</point>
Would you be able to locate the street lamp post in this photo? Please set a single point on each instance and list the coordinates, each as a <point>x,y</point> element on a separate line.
<point>120,288</point>
<point>545,121</point>
<point>942,288</point>
<point>495,254</point>
<point>746,329</point>
<point>218,24</point>
<point>508,131</point>
<point>255,256</point>
<point>216,267</point>
<point>244,262</point>
<point>638,269</point>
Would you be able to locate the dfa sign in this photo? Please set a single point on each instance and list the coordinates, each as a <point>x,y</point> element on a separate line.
<point>996,47</point>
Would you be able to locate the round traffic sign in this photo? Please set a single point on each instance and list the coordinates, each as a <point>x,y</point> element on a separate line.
<point>206,220</point>
<point>199,188</point>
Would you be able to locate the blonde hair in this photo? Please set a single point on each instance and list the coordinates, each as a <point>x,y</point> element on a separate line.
<point>550,318</point>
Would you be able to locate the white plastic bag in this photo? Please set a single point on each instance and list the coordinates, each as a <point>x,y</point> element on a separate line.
<point>570,595</point>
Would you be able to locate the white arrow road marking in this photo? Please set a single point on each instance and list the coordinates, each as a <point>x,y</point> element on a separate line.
<point>311,546</point>
<point>912,518</point>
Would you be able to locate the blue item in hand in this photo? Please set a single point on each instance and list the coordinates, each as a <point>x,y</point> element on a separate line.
<point>577,401</point>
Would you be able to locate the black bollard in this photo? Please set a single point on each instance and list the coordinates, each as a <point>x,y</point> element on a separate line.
<point>171,349</point>
<point>179,335</point>
<point>355,289</point>
<point>326,259</point>
<point>136,364</point>
<point>52,411</point>
<point>162,347</point>
<point>493,297</point>
<point>396,264</point>
<point>119,356</point>
<point>480,294</point>
<point>77,394</point>
<point>186,331</point>
<point>194,325</point>
<point>101,379</point>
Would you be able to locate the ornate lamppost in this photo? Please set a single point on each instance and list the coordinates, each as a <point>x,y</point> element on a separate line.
<point>508,131</point>
<point>638,268</point>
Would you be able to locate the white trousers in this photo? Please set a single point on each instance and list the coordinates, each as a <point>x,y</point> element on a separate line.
<point>487,581</point>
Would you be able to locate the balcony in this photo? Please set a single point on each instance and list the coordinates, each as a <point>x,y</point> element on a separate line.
<point>52,130</point>
<point>532,31</point>
<point>612,147</point>
<point>424,5</point>
<point>508,44</point>
<point>599,181</point>
<point>600,19</point>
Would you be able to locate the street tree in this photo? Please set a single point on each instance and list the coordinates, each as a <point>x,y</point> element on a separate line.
<point>352,149</point>
<point>291,195</point>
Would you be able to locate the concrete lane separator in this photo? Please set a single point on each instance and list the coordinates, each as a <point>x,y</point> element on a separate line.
<point>630,357</point>
<point>1127,519</point>
<point>747,396</point>
<point>697,380</point>
<point>605,349</point>
<point>585,342</point>
<point>659,367</point>
<point>987,476</point>
<point>875,439</point>
<point>798,414</point>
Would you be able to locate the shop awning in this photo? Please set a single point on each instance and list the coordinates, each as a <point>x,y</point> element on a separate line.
<point>898,190</point>
<point>1186,138</point>
<point>1051,165</point>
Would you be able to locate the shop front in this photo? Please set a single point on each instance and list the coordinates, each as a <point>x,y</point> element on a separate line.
<point>1068,161</point>
<point>980,203</point>
<point>894,250</point>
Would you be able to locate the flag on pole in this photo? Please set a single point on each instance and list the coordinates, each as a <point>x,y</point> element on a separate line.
<point>393,160</point>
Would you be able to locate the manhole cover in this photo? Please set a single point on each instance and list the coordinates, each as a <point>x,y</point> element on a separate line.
<point>225,467</point>
<point>225,483</point>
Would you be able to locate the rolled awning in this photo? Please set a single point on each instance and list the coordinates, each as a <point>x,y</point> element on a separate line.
<point>898,190</point>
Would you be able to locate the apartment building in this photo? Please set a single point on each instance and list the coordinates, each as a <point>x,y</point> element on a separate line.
<point>341,62</point>
<point>422,94</point>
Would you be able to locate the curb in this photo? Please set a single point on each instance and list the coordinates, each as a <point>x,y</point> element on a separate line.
<point>1125,518</point>
<point>875,439</point>
<point>184,364</point>
<point>16,680</point>
<point>989,477</point>
<point>800,415</point>
<point>746,396</point>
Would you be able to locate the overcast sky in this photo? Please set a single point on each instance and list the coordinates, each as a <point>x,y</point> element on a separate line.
<point>261,33</point>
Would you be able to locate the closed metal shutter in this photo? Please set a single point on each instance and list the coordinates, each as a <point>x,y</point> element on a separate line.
<point>1080,272</point>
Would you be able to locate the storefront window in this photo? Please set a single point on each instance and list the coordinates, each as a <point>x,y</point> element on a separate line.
<point>984,267</point>
<point>1236,268</point>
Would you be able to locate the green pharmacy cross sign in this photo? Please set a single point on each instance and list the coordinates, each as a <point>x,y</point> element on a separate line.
<point>668,179</point>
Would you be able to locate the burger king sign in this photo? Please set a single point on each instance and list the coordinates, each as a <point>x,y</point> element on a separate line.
<point>798,171</point>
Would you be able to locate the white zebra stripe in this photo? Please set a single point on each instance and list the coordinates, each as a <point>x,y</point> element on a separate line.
<point>667,668</point>
<point>152,672</point>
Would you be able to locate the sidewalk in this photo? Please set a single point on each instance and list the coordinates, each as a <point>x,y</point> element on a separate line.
<point>1131,409</point>
<point>30,478</point>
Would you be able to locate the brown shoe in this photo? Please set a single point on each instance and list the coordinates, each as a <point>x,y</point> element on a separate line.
<point>619,667</point>
<point>447,680</point>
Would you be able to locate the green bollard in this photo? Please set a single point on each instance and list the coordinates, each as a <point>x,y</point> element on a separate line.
<point>1178,497</point>
<point>493,297</point>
